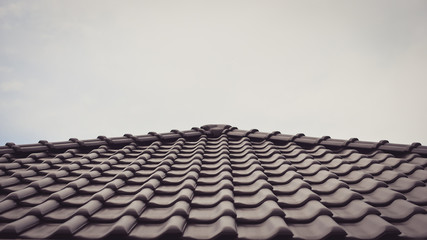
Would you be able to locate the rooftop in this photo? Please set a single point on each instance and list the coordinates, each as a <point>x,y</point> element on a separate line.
<point>213,182</point>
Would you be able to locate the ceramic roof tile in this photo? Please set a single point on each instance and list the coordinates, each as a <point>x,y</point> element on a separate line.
<point>211,214</point>
<point>414,228</point>
<point>214,182</point>
<point>353,211</point>
<point>323,227</point>
<point>399,210</point>
<point>370,227</point>
<point>224,227</point>
<point>272,228</point>
<point>173,227</point>
<point>306,213</point>
<point>260,213</point>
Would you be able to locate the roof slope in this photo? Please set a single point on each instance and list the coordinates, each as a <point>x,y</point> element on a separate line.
<point>214,182</point>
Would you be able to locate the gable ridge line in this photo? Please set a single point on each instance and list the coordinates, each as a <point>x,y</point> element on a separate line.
<point>213,131</point>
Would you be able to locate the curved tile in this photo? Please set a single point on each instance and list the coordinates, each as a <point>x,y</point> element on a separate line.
<point>272,228</point>
<point>15,213</point>
<point>408,168</point>
<point>305,164</point>
<point>297,156</point>
<point>255,199</point>
<point>370,227</point>
<point>353,211</point>
<point>124,199</point>
<point>211,214</point>
<point>274,161</point>
<point>306,213</point>
<point>291,187</point>
<point>161,214</point>
<point>382,197</point>
<point>286,178</point>
<point>258,214</point>
<point>178,173</point>
<point>255,176</point>
<point>246,165</point>
<point>242,154</point>
<point>252,188</point>
<point>41,231</point>
<point>269,153</point>
<point>280,170</point>
<point>246,172</point>
<point>323,227</point>
<point>333,164</point>
<point>16,227</point>
<point>319,177</point>
<point>393,162</point>
<point>340,197</point>
<point>297,199</point>
<point>186,166</point>
<point>117,229</point>
<point>354,177</point>
<point>344,169</point>
<point>215,172</point>
<point>78,200</point>
<point>150,171</point>
<point>244,159</point>
<point>110,214</point>
<point>212,200</point>
<point>215,160</point>
<point>212,189</point>
<point>367,185</point>
<point>172,188</point>
<point>329,157</point>
<point>168,200</point>
<point>389,176</point>
<point>274,164</point>
<point>224,227</point>
<point>420,175</point>
<point>399,210</point>
<point>216,179</point>
<point>35,200</point>
<point>172,228</point>
<point>89,208</point>
<point>404,185</point>
<point>312,170</point>
<point>418,195</point>
<point>330,186</point>
<point>318,151</point>
<point>414,228</point>
<point>364,162</point>
<point>420,161</point>
<point>179,179</point>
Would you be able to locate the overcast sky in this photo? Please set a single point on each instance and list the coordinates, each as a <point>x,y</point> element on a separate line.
<point>89,68</point>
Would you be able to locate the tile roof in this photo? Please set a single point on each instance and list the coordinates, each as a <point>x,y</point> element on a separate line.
<point>213,182</point>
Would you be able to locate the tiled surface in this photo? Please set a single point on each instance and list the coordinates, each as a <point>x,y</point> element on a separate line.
<point>234,185</point>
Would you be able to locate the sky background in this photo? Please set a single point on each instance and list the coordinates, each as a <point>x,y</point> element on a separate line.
<point>88,68</point>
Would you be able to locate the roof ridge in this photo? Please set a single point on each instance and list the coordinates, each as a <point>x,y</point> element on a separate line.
<point>215,130</point>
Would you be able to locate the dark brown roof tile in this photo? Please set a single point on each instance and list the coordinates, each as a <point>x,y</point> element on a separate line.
<point>323,227</point>
<point>370,227</point>
<point>213,182</point>
<point>224,227</point>
<point>353,211</point>
<point>272,228</point>
<point>306,213</point>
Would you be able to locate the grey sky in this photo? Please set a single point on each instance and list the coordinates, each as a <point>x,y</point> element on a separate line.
<point>88,68</point>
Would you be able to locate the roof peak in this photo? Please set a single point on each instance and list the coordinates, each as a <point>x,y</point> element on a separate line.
<point>215,129</point>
